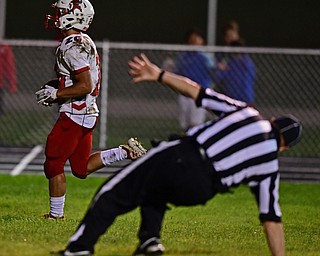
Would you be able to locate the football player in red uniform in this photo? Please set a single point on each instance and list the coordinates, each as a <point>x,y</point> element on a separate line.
<point>75,90</point>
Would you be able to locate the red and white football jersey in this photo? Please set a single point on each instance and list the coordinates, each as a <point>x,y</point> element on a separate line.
<point>77,53</point>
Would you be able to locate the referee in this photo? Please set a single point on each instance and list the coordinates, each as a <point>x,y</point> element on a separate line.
<point>239,147</point>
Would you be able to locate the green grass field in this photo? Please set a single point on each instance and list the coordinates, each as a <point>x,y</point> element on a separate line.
<point>227,225</point>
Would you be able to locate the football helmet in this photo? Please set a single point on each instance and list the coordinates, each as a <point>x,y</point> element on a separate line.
<point>77,14</point>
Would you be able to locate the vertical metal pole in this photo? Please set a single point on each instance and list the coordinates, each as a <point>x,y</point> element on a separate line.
<point>2,18</point>
<point>212,20</point>
<point>104,95</point>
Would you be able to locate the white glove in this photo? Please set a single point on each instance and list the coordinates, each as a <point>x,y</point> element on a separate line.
<point>46,94</point>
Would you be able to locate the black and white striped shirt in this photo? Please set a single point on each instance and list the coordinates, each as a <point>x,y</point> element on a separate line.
<point>242,147</point>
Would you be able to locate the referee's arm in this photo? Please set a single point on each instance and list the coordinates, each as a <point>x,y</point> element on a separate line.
<point>275,237</point>
<point>143,70</point>
<point>266,194</point>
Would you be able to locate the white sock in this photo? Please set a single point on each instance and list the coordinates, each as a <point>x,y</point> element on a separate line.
<point>110,156</point>
<point>57,205</point>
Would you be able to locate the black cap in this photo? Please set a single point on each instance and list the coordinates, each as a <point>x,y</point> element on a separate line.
<point>290,128</point>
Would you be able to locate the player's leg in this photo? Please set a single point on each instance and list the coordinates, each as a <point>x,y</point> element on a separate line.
<point>100,159</point>
<point>81,154</point>
<point>84,163</point>
<point>132,150</point>
<point>57,191</point>
<point>61,142</point>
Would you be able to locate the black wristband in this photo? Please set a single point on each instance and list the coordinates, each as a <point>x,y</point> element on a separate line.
<point>160,76</point>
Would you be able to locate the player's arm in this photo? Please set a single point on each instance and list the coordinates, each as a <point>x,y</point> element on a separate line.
<point>143,70</point>
<point>82,85</point>
<point>275,237</point>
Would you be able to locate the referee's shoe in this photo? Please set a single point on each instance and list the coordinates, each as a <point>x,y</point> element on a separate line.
<point>68,253</point>
<point>152,246</point>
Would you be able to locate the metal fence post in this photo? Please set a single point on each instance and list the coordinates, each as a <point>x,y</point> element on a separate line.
<point>104,94</point>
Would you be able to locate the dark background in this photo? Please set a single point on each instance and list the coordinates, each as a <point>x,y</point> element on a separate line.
<point>272,23</point>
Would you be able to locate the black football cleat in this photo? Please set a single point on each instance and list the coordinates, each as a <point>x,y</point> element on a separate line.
<point>68,253</point>
<point>152,246</point>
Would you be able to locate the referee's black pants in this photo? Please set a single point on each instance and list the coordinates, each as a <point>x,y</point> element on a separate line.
<point>173,172</point>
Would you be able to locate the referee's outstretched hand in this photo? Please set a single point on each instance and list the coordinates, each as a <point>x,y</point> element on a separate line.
<point>141,69</point>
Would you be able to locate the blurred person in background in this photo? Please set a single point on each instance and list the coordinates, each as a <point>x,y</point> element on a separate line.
<point>236,73</point>
<point>197,66</point>
<point>8,78</point>
<point>231,33</point>
<point>75,91</point>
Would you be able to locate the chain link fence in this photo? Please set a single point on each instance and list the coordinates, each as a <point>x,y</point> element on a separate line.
<point>286,82</point>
